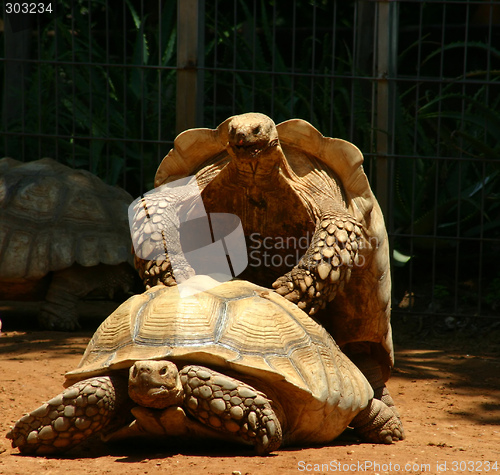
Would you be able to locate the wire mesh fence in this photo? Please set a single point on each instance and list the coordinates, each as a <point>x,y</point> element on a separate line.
<point>414,84</point>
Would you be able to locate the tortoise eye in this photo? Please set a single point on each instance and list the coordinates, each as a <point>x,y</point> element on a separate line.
<point>163,371</point>
<point>256,130</point>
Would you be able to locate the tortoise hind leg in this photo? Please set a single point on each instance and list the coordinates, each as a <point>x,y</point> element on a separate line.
<point>373,373</point>
<point>68,286</point>
<point>67,419</point>
<point>377,423</point>
<point>226,404</point>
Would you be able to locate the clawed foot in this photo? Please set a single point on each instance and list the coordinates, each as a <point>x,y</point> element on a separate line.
<point>373,373</point>
<point>159,272</point>
<point>377,423</point>
<point>305,289</point>
<point>57,316</point>
<point>326,266</point>
<point>67,419</point>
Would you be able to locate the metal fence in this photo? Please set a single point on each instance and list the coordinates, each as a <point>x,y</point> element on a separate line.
<point>415,85</point>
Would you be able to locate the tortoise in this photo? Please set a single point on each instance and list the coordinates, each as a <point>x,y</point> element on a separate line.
<point>315,231</point>
<point>63,235</point>
<point>237,362</point>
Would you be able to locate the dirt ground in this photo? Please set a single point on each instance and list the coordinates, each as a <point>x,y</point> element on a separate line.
<point>446,386</point>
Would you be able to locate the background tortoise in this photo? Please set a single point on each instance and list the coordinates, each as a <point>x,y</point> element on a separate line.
<point>63,234</point>
<point>314,229</point>
<point>269,375</point>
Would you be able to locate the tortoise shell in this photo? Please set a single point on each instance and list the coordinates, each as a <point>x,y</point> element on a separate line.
<point>52,216</point>
<point>360,312</point>
<point>247,331</point>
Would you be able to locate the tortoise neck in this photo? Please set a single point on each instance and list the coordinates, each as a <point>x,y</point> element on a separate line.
<point>262,171</point>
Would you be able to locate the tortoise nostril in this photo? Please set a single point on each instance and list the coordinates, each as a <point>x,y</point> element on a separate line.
<point>240,138</point>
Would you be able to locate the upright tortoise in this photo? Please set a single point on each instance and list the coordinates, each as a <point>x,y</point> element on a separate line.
<point>314,229</point>
<point>63,234</point>
<point>237,362</point>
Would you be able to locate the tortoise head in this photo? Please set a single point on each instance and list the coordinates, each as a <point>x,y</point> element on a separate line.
<point>253,142</point>
<point>155,384</point>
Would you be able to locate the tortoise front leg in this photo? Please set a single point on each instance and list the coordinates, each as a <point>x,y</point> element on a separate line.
<point>67,419</point>
<point>326,266</point>
<point>226,404</point>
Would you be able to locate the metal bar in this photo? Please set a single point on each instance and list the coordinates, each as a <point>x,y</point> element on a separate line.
<point>91,157</point>
<point>235,54</point>
<point>434,250</point>
<point>273,60</point>
<point>56,84</point>
<point>313,63</point>
<point>386,28</point>
<point>294,52</point>
<point>254,53</point>
<point>400,78</point>
<point>215,62</point>
<point>440,314</point>
<point>84,137</point>
<point>159,150</point>
<point>73,85</point>
<point>124,85</point>
<point>38,68</point>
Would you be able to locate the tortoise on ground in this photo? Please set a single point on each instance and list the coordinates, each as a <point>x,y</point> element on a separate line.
<point>237,362</point>
<point>314,229</point>
<point>63,234</point>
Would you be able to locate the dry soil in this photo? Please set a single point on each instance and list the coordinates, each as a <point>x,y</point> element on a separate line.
<point>446,386</point>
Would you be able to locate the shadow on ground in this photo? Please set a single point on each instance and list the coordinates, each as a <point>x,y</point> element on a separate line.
<point>463,362</point>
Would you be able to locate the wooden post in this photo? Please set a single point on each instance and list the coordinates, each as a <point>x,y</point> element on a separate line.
<point>189,100</point>
<point>386,66</point>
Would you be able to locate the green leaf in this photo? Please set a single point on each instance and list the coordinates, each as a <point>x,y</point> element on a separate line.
<point>135,16</point>
<point>400,259</point>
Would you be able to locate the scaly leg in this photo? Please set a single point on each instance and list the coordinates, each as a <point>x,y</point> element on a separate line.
<point>67,419</point>
<point>326,266</point>
<point>373,373</point>
<point>229,405</point>
<point>377,423</point>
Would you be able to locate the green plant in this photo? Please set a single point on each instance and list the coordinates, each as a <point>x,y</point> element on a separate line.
<point>114,90</point>
<point>440,292</point>
<point>311,82</point>
<point>455,194</point>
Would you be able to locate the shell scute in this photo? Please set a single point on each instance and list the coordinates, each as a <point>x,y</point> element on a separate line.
<point>15,260</point>
<point>231,325</point>
<point>65,216</point>
<point>170,320</point>
<point>253,335</point>
<point>42,196</point>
